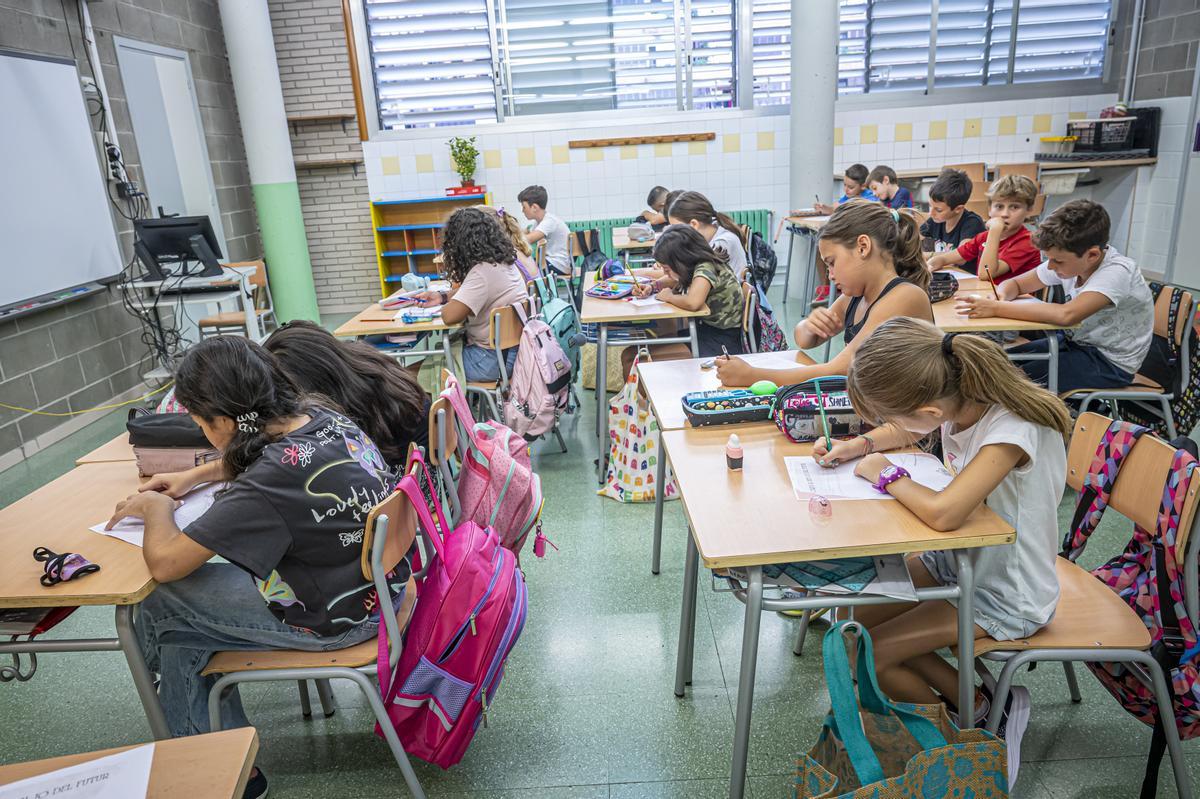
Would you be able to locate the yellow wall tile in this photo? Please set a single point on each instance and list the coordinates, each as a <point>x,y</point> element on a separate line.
<point>731,143</point>
<point>424,162</point>
<point>560,154</point>
<point>390,164</point>
<point>662,150</point>
<point>766,140</point>
<point>491,159</point>
<point>838,137</point>
<point>697,148</point>
<point>903,131</point>
<point>1008,126</point>
<point>628,152</point>
<point>937,129</point>
<point>972,128</point>
<point>595,154</point>
<point>1041,123</point>
<point>526,156</point>
<point>1077,115</point>
<point>868,134</point>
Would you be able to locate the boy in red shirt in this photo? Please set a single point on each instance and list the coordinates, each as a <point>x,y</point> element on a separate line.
<point>1005,249</point>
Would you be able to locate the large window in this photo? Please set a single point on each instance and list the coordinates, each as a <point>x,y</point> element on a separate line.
<point>460,62</point>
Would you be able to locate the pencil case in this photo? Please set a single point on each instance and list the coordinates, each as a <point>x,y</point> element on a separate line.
<point>796,410</point>
<point>726,406</point>
<point>942,286</point>
<point>611,289</point>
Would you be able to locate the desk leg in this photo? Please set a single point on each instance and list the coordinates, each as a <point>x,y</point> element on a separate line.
<point>446,349</point>
<point>602,397</point>
<point>687,618</point>
<point>745,697</point>
<point>966,632</point>
<point>142,680</point>
<point>695,338</point>
<point>660,476</point>
<point>787,269</point>
<point>253,330</point>
<point>1052,363</point>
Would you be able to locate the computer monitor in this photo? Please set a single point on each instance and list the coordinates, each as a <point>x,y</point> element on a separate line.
<point>179,240</point>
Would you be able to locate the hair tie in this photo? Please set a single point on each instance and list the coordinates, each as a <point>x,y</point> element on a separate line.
<point>248,422</point>
<point>895,215</point>
<point>500,212</point>
<point>948,345</point>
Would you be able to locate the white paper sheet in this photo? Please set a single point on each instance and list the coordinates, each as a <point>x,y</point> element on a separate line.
<point>808,477</point>
<point>959,274</point>
<point>125,775</point>
<point>646,302</point>
<point>418,314</point>
<point>191,508</point>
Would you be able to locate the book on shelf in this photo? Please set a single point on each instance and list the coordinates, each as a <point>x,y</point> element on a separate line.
<point>459,191</point>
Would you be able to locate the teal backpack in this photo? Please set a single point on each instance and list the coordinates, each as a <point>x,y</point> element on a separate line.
<point>562,318</point>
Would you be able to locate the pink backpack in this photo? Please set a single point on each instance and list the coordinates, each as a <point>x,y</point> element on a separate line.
<point>497,487</point>
<point>471,608</point>
<point>541,380</point>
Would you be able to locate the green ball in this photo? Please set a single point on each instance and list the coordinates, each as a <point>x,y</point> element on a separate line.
<point>763,387</point>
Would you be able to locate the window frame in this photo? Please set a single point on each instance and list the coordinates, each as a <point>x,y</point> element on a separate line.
<point>743,85</point>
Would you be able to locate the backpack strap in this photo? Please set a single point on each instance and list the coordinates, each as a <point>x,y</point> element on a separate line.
<point>1116,443</point>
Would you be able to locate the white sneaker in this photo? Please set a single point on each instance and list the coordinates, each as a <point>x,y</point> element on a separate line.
<point>1012,727</point>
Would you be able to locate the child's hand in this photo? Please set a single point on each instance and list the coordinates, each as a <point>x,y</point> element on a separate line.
<point>428,297</point>
<point>823,208</point>
<point>823,322</point>
<point>140,505</point>
<point>734,372</point>
<point>842,452</point>
<point>642,290</point>
<point>870,467</point>
<point>975,307</point>
<point>663,295</point>
<point>995,225</point>
<point>173,484</point>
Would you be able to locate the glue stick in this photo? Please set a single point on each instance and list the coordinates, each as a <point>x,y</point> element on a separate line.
<point>733,453</point>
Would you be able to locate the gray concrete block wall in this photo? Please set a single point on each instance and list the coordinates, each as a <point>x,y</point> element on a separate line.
<point>82,354</point>
<point>314,70</point>
<point>1168,51</point>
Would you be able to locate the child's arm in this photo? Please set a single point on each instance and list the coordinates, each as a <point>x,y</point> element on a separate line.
<point>989,259</point>
<point>948,509</point>
<point>168,552</point>
<point>944,260</point>
<point>880,439</point>
<point>1067,314</point>
<point>176,484</point>
<point>654,217</point>
<point>693,299</point>
<point>822,324</point>
<point>533,236</point>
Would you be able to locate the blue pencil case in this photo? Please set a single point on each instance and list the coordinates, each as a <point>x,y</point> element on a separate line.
<point>726,406</point>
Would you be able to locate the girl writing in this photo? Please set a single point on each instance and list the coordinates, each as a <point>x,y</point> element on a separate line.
<point>873,255</point>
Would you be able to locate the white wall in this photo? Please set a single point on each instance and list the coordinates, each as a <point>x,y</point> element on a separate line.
<point>1154,200</point>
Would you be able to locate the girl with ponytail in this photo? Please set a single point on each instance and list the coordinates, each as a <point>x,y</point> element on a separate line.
<point>1003,440</point>
<point>719,230</point>
<point>873,255</point>
<point>301,478</point>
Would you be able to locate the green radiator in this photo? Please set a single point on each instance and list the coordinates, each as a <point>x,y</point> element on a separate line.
<point>759,220</point>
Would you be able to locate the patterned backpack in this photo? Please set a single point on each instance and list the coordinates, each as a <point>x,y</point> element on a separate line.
<point>1147,575</point>
<point>763,327</point>
<point>1162,366</point>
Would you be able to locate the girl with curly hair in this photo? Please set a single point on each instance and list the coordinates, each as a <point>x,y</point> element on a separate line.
<point>479,258</point>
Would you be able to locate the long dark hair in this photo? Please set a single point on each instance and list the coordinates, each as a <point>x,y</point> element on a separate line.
<point>473,236</point>
<point>234,377</point>
<point>895,233</point>
<point>373,390</point>
<point>682,248</point>
<point>693,206</point>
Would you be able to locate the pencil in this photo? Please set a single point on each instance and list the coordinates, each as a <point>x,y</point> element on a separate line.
<point>824,419</point>
<point>991,282</point>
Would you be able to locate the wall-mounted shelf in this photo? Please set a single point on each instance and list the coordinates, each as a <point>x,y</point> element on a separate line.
<point>579,144</point>
<point>328,163</point>
<point>297,120</point>
<point>408,234</point>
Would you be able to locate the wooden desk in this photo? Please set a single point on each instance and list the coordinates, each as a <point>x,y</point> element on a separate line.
<point>751,519</point>
<point>945,317</point>
<point>212,766</point>
<point>1046,166</point>
<point>626,248</point>
<point>119,450</point>
<point>376,321</point>
<point>604,312</point>
<point>57,516</point>
<point>809,227</point>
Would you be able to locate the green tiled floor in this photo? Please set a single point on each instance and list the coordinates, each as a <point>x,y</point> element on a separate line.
<point>586,709</point>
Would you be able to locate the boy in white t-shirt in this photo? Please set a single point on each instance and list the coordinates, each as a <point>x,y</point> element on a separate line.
<point>548,227</point>
<point>1107,297</point>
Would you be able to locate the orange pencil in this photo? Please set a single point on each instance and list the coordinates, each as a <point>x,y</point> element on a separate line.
<point>991,282</point>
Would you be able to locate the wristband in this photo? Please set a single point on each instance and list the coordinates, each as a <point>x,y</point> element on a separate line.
<point>445,297</point>
<point>870,443</point>
<point>889,475</point>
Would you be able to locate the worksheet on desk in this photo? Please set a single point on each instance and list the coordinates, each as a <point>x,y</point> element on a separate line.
<point>646,302</point>
<point>125,775</point>
<point>191,508</point>
<point>809,477</point>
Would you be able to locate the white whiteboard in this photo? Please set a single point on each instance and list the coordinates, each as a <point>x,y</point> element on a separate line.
<point>56,229</point>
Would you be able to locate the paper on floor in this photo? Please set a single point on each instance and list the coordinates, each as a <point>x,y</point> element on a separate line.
<point>808,477</point>
<point>191,508</point>
<point>125,775</point>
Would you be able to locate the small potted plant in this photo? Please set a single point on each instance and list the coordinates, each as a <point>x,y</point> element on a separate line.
<point>464,155</point>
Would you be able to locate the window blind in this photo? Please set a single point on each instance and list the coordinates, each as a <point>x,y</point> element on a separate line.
<point>772,24</point>
<point>898,45</point>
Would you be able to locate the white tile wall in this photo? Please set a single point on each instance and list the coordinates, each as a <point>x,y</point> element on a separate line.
<point>1154,195</point>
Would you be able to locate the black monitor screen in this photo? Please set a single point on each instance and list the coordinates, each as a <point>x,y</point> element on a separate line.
<point>168,239</point>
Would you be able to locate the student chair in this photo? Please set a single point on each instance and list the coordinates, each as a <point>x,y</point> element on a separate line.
<point>503,332</point>
<point>749,311</point>
<point>1030,170</point>
<point>1143,392</point>
<point>389,533</point>
<point>1092,623</point>
<point>446,452</point>
<point>233,321</point>
<point>977,171</point>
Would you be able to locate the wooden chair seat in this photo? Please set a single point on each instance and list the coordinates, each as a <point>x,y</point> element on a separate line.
<point>1089,615</point>
<point>351,657</point>
<point>486,385</point>
<point>228,319</point>
<point>1140,383</point>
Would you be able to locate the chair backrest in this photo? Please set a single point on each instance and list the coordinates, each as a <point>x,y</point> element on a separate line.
<point>1039,206</point>
<point>1137,492</point>
<point>978,206</point>
<point>259,278</point>
<point>398,534</point>
<point>1029,170</point>
<point>977,172</point>
<point>1162,314</point>
<point>437,423</point>
<point>506,327</point>
<point>744,234</point>
<point>576,250</point>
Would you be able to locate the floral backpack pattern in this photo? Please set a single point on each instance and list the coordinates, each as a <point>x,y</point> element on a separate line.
<point>634,448</point>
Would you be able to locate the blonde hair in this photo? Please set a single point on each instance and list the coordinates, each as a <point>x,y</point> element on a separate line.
<point>907,363</point>
<point>510,226</point>
<point>1014,187</point>
<point>896,234</point>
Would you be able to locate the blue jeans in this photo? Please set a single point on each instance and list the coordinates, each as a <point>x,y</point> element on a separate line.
<point>480,365</point>
<point>181,624</point>
<point>1079,365</point>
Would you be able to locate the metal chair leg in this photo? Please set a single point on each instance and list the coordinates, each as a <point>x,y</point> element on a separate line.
<point>1072,682</point>
<point>1169,418</point>
<point>562,444</point>
<point>305,702</point>
<point>326,696</point>
<point>798,649</point>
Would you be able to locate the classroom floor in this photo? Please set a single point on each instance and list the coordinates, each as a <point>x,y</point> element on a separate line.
<point>586,708</point>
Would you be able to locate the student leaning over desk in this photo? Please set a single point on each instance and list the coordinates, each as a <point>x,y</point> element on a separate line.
<point>301,481</point>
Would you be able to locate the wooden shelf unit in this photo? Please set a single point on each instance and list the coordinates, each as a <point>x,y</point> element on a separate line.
<point>408,235</point>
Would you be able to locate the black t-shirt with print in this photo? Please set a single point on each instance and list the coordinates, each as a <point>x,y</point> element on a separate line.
<point>295,520</point>
<point>968,227</point>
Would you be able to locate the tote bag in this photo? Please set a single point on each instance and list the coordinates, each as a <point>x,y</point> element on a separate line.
<point>872,747</point>
<point>634,446</point>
